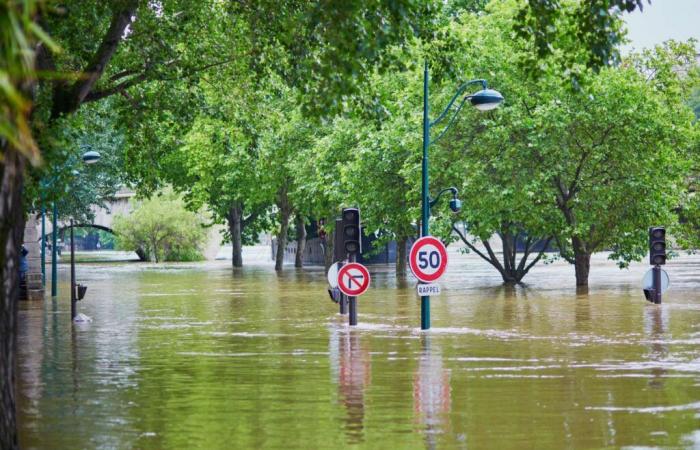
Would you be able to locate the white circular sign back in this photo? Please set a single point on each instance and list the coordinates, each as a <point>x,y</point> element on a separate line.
<point>648,280</point>
<point>333,274</point>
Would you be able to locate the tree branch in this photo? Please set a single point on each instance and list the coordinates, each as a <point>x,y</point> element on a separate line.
<point>476,250</point>
<point>539,256</point>
<point>69,100</point>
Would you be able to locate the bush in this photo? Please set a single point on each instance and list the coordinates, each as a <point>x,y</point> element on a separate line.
<point>161,229</point>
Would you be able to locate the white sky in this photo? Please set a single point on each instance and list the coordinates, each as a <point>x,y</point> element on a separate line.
<point>662,20</point>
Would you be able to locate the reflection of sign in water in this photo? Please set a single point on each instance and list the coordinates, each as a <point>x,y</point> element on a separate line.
<point>432,395</point>
<point>353,377</point>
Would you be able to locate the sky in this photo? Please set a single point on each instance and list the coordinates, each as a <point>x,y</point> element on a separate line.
<point>662,20</point>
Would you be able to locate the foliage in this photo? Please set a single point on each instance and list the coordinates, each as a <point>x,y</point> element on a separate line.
<point>65,179</point>
<point>572,35</point>
<point>162,229</point>
<point>18,36</point>
<point>556,162</point>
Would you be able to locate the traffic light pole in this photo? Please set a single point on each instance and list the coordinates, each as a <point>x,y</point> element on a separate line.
<point>352,301</point>
<point>343,300</point>
<point>656,280</point>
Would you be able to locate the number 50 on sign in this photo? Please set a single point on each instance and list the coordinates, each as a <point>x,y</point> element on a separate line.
<point>428,259</point>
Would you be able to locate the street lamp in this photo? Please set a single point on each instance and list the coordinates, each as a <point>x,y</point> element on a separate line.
<point>89,157</point>
<point>484,100</point>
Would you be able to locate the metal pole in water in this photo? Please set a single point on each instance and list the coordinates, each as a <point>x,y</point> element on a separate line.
<point>54,252</point>
<point>72,273</point>
<point>43,243</point>
<point>352,301</point>
<point>343,300</point>
<point>656,272</point>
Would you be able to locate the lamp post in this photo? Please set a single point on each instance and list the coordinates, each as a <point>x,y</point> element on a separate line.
<point>89,157</point>
<point>484,100</point>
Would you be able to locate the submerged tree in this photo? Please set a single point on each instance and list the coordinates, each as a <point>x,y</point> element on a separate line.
<point>161,229</point>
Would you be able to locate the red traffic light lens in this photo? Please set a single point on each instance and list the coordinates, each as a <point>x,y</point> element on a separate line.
<point>658,233</point>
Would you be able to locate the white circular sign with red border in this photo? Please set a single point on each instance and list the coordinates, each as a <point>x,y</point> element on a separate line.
<point>428,259</point>
<point>353,279</point>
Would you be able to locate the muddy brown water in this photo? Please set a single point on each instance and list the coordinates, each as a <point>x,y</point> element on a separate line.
<point>196,356</point>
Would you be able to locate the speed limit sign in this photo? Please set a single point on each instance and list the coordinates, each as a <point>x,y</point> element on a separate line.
<point>428,259</point>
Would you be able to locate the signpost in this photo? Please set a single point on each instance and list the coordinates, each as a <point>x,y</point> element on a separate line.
<point>428,261</point>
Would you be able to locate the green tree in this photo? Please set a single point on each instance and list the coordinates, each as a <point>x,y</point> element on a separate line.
<point>218,168</point>
<point>580,166</point>
<point>161,229</point>
<point>19,37</point>
<point>289,133</point>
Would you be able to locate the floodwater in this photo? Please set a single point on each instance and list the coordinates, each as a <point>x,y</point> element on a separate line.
<point>196,356</point>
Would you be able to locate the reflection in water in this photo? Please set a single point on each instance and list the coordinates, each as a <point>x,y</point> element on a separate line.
<point>432,394</point>
<point>582,314</point>
<point>191,356</point>
<point>350,362</point>
<point>655,326</point>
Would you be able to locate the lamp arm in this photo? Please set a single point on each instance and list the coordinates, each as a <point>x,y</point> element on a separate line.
<point>452,189</point>
<point>452,120</point>
<point>460,91</point>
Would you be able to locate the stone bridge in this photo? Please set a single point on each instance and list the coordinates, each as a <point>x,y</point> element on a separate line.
<point>103,220</point>
<point>104,217</point>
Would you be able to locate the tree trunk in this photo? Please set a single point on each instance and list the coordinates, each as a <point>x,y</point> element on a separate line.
<point>582,261</point>
<point>301,241</point>
<point>235,220</point>
<point>282,239</point>
<point>141,253</point>
<point>11,233</point>
<point>401,258</point>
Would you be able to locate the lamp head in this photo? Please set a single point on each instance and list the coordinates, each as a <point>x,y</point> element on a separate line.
<point>486,99</point>
<point>91,157</point>
<point>455,205</point>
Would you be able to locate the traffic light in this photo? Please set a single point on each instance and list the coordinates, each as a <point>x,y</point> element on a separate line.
<point>657,246</point>
<point>351,231</point>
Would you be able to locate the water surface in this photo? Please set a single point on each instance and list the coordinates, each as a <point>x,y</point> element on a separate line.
<point>199,356</point>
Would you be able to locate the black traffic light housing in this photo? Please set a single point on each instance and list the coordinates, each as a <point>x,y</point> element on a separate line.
<point>352,235</point>
<point>657,246</point>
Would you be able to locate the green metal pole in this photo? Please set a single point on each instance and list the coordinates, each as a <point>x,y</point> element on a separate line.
<point>43,243</point>
<point>73,299</point>
<point>54,253</point>
<point>425,216</point>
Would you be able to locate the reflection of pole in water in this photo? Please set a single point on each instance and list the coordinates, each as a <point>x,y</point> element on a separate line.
<point>75,369</point>
<point>350,361</point>
<point>432,394</point>
<point>655,326</point>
